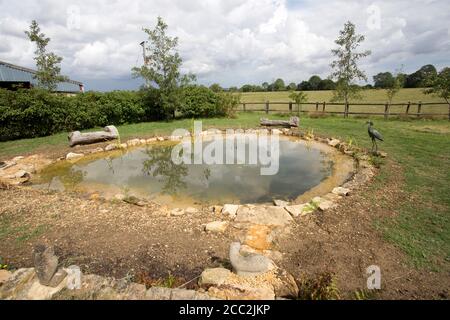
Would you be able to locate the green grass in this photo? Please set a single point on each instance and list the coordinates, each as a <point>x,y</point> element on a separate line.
<point>20,234</point>
<point>368,96</point>
<point>421,227</point>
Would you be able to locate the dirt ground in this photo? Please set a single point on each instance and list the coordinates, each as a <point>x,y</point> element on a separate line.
<point>122,240</point>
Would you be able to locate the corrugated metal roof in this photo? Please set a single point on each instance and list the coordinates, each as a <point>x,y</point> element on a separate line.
<point>13,73</point>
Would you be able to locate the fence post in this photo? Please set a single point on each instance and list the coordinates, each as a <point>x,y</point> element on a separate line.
<point>245,109</point>
<point>386,111</point>
<point>347,107</point>
<point>419,109</point>
<point>324,106</point>
<point>267,107</point>
<point>317,107</point>
<point>407,107</point>
<point>290,107</point>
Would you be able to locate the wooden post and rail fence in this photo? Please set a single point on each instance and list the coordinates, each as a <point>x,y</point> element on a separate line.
<point>402,109</point>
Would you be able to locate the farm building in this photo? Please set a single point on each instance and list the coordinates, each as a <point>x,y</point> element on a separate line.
<point>12,76</point>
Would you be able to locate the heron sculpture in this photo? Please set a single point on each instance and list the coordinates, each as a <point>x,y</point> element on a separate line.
<point>374,135</point>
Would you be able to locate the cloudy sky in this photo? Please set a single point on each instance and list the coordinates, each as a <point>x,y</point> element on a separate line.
<point>231,42</point>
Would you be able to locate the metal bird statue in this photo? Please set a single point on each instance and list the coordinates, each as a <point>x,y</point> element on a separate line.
<point>374,135</point>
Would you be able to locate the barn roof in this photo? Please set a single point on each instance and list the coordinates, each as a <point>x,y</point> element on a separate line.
<point>13,73</point>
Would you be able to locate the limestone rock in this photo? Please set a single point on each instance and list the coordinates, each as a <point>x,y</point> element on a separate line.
<point>271,216</point>
<point>97,150</point>
<point>280,203</point>
<point>120,197</point>
<point>74,156</point>
<point>45,263</point>
<point>37,291</point>
<point>57,278</point>
<point>134,142</point>
<point>21,174</point>
<point>343,192</point>
<point>326,205</point>
<point>250,265</point>
<point>111,147</point>
<point>300,209</point>
<point>230,210</point>
<point>242,293</point>
<point>4,276</point>
<point>217,226</point>
<point>217,276</point>
<point>123,146</point>
<point>259,237</point>
<point>285,285</point>
<point>16,283</point>
<point>277,131</point>
<point>157,293</point>
<point>151,140</point>
<point>160,139</point>
<point>177,212</point>
<point>334,143</point>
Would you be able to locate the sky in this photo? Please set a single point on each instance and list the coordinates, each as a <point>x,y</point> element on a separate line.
<point>230,42</point>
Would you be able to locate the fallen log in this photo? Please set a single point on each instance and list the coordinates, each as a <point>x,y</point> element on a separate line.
<point>77,138</point>
<point>293,122</point>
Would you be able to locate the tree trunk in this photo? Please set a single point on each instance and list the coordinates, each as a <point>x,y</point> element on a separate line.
<point>293,122</point>
<point>78,138</point>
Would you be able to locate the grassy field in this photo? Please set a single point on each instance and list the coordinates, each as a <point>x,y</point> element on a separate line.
<point>368,96</point>
<point>421,227</point>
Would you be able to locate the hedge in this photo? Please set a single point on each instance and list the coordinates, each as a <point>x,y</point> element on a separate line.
<point>36,113</point>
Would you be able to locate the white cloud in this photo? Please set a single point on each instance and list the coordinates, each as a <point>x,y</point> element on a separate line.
<point>231,42</point>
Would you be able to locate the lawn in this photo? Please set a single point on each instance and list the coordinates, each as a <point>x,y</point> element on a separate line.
<point>420,227</point>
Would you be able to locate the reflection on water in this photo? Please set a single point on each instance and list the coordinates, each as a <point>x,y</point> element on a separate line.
<point>150,171</point>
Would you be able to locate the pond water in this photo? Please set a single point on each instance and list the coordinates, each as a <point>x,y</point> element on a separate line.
<point>150,172</point>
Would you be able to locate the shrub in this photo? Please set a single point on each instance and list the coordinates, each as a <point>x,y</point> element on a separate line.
<point>36,113</point>
<point>199,102</point>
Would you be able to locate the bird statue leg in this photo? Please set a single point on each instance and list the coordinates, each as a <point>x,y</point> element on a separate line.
<point>376,146</point>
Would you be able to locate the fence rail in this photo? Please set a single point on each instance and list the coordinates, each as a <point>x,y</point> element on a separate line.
<point>394,109</point>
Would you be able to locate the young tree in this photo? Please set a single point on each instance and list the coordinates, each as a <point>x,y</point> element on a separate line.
<point>48,64</point>
<point>440,86</point>
<point>162,71</point>
<point>394,86</point>
<point>299,98</point>
<point>345,67</point>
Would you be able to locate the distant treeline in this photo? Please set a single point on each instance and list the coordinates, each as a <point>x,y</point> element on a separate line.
<point>382,80</point>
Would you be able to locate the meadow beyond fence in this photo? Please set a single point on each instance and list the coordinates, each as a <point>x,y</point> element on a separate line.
<point>413,109</point>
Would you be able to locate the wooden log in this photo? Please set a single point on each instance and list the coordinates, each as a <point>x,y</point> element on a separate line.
<point>293,122</point>
<point>77,138</point>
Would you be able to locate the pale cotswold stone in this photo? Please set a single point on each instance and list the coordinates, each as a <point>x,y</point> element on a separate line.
<point>217,226</point>
<point>277,131</point>
<point>16,283</point>
<point>249,265</point>
<point>157,293</point>
<point>4,276</point>
<point>111,147</point>
<point>273,216</point>
<point>300,209</point>
<point>74,156</point>
<point>230,210</point>
<point>37,291</point>
<point>280,203</point>
<point>334,143</point>
<point>285,285</point>
<point>343,192</point>
<point>242,293</point>
<point>217,276</point>
<point>177,212</point>
<point>134,142</point>
<point>326,205</point>
<point>151,140</point>
<point>259,237</point>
